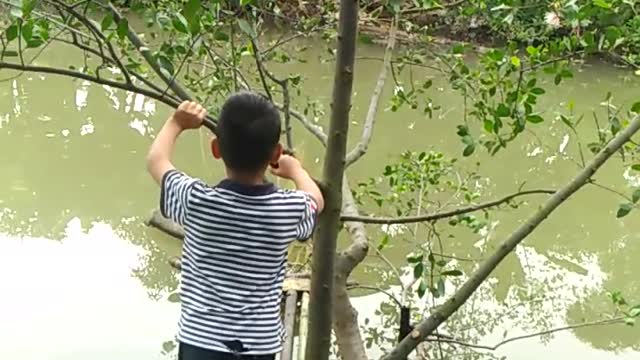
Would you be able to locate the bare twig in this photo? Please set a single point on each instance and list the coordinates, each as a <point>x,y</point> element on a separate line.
<point>444,214</point>
<point>368,287</point>
<point>367,129</point>
<point>614,321</point>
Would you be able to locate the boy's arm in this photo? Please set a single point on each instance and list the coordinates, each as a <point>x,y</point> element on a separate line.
<point>305,183</point>
<point>189,115</point>
<point>290,168</point>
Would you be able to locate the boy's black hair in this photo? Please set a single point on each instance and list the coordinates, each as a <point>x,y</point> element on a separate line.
<point>248,131</point>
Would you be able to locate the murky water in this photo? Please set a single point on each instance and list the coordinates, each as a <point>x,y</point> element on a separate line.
<point>84,278</point>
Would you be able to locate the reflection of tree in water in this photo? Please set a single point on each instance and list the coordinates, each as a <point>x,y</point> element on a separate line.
<point>154,271</point>
<point>541,296</point>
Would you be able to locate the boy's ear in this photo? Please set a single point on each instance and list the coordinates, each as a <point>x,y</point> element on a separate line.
<point>275,157</point>
<point>215,148</point>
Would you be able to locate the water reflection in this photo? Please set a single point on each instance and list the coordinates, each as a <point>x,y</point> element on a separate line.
<point>77,299</point>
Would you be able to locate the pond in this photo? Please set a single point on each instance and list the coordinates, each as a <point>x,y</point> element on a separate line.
<point>84,278</point>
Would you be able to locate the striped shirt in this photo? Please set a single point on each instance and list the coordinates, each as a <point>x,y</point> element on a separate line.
<point>233,259</point>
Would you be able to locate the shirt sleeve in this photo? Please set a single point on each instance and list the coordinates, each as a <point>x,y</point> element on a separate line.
<point>175,193</point>
<point>309,217</point>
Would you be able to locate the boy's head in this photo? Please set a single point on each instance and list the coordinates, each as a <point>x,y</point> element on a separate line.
<point>248,133</point>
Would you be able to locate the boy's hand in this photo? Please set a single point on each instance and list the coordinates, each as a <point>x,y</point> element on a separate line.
<point>189,115</point>
<point>288,167</point>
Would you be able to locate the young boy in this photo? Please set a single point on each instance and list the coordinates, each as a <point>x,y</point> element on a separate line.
<point>237,232</point>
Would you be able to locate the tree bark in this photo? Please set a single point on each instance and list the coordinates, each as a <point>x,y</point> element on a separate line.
<point>430,324</point>
<point>322,278</point>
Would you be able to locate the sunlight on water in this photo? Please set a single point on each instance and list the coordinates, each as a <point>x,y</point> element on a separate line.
<point>77,298</point>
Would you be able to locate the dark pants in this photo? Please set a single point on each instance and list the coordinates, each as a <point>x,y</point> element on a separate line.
<point>189,352</point>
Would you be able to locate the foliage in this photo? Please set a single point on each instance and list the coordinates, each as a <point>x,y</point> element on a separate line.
<point>215,47</point>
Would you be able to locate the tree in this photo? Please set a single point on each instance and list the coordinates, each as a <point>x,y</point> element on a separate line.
<point>200,50</point>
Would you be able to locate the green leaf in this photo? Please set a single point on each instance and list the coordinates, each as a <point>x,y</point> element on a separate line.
<point>635,311</point>
<point>441,262</point>
<point>245,2</point>
<point>451,273</point>
<point>383,242</point>
<point>469,149</point>
<point>624,210</point>
<point>503,111</point>
<point>123,28</point>
<point>27,7</point>
<point>557,80</point>
<point>418,270</point>
<point>365,38</point>
<point>636,107</point>
<point>636,196</point>
<point>488,125</point>
<point>515,61</point>
<point>535,119</point>
<point>441,288</point>
<point>191,13</point>
<point>635,167</point>
<point>34,43</point>
<point>247,28</point>
<point>422,288</point>
<point>415,258</point>
<point>537,91</point>
<point>221,36</point>
<point>27,31</point>
<point>602,3</point>
<point>107,21</point>
<point>180,24</point>
<point>192,9</point>
<point>174,297</point>
<point>165,64</point>
<point>12,32</point>
<point>630,321</point>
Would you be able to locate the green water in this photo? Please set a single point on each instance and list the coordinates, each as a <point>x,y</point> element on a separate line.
<point>83,278</point>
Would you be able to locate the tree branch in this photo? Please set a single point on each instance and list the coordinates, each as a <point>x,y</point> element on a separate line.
<point>75,74</point>
<point>430,324</point>
<point>210,122</point>
<point>367,129</point>
<point>100,38</point>
<point>614,321</point>
<point>444,214</point>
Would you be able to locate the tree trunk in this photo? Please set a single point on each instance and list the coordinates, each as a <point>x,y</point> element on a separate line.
<point>322,279</point>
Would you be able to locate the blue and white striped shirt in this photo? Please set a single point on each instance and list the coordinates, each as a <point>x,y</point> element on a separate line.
<point>233,259</point>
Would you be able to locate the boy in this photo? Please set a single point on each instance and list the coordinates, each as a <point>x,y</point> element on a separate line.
<point>237,232</point>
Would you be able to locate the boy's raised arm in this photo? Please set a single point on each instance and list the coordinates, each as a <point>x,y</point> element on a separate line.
<point>189,115</point>
<point>290,168</point>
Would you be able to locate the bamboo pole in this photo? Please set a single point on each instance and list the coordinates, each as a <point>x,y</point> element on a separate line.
<point>304,320</point>
<point>291,305</point>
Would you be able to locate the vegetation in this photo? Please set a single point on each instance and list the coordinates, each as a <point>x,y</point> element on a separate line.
<point>207,49</point>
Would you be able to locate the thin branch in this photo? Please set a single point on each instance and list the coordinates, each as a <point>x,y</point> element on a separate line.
<point>284,41</point>
<point>283,83</point>
<point>314,129</point>
<point>148,56</point>
<point>614,321</point>
<point>182,63</point>
<point>232,43</point>
<point>100,38</point>
<point>367,287</point>
<point>108,59</point>
<point>444,214</point>
<point>260,67</point>
<point>75,74</point>
<point>427,326</point>
<point>367,129</point>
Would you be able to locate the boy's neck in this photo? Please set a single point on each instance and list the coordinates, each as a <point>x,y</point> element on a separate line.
<point>246,179</point>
